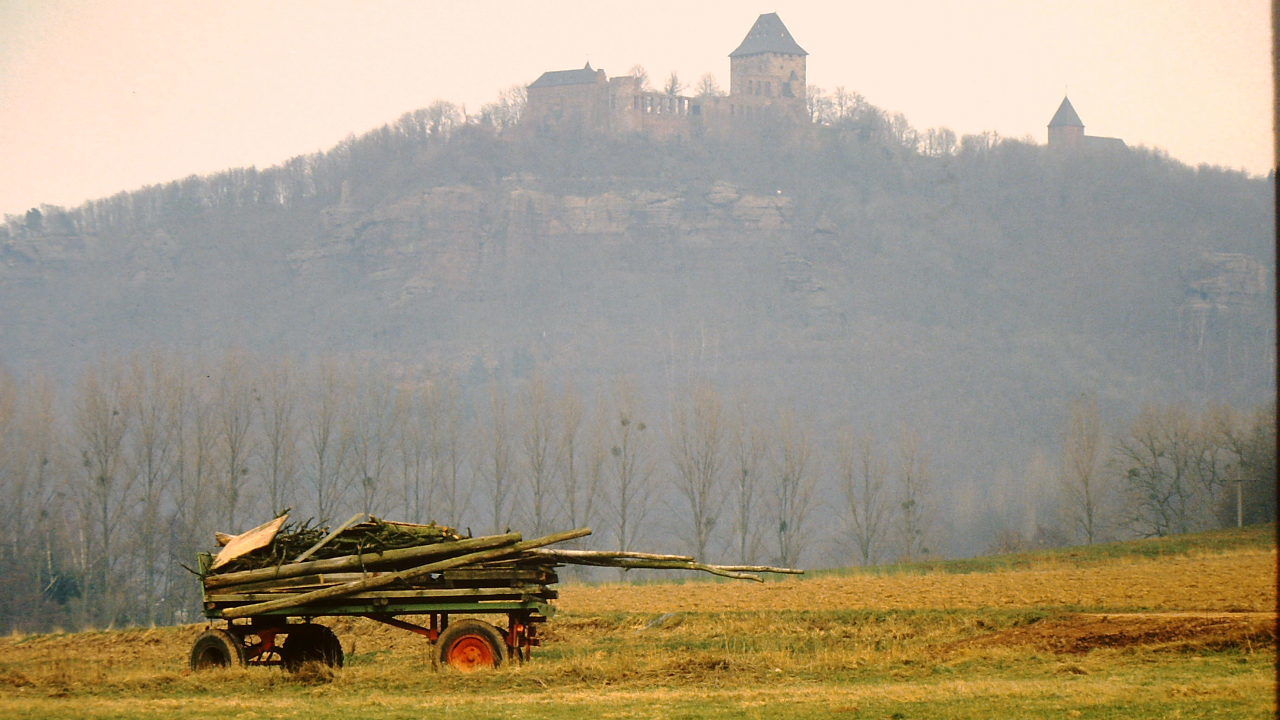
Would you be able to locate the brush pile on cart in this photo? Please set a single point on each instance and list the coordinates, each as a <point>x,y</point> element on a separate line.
<point>269,583</point>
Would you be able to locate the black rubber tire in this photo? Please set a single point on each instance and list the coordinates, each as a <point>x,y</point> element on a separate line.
<point>311,643</point>
<point>216,648</point>
<point>470,631</point>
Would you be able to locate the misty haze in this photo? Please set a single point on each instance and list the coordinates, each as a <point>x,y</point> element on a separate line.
<point>758,323</point>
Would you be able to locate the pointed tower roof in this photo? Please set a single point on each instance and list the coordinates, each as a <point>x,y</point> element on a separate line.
<point>1066,116</point>
<point>768,35</point>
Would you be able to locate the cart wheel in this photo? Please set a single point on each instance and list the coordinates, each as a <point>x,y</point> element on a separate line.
<point>310,643</point>
<point>471,645</point>
<point>217,648</point>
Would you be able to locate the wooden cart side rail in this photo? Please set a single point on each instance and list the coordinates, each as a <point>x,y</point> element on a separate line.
<point>366,607</point>
<point>477,593</point>
<point>384,580</point>
<point>357,562</point>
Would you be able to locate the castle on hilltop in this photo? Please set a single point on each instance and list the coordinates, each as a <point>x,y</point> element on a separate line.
<point>1066,132</point>
<point>766,75</point>
<point>766,72</point>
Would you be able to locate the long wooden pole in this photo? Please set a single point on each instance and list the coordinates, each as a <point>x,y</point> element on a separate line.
<point>383,580</point>
<point>355,562</point>
<point>574,555</point>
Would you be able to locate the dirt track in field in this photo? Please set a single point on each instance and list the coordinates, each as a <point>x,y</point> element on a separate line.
<point>1241,581</point>
<point>1161,631</point>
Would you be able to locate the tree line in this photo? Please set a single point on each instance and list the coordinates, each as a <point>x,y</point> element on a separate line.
<point>114,486</point>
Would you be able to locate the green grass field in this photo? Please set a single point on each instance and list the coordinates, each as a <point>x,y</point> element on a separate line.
<point>887,643</point>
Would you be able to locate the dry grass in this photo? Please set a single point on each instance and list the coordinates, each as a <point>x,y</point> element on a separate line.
<point>1241,580</point>
<point>1052,641</point>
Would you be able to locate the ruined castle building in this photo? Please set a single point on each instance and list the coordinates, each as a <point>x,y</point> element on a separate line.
<point>1066,132</point>
<point>570,97</point>
<point>768,68</point>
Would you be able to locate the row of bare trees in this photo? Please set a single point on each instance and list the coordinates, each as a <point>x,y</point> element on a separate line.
<point>1171,470</point>
<point>115,485</point>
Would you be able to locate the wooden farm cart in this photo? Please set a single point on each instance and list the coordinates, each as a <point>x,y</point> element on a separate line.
<point>268,610</point>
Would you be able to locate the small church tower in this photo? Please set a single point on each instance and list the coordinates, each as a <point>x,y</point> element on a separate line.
<point>768,68</point>
<point>1065,129</point>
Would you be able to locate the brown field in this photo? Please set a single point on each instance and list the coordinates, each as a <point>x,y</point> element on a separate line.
<point>1189,635</point>
<point>1240,581</point>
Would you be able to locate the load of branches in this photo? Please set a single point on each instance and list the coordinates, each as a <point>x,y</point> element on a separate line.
<point>278,566</point>
<point>295,541</point>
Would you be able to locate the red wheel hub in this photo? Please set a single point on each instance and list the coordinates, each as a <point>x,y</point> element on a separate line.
<point>471,652</point>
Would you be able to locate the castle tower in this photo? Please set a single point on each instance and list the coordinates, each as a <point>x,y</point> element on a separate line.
<point>1065,129</point>
<point>768,68</point>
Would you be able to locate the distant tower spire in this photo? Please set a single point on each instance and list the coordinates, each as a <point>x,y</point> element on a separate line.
<point>1066,128</point>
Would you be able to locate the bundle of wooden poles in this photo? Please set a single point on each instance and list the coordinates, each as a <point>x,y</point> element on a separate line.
<point>441,566</point>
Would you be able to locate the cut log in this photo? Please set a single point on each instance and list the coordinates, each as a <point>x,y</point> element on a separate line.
<point>357,562</point>
<point>404,575</point>
<point>330,536</point>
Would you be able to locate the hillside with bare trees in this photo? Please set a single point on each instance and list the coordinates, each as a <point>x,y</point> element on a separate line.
<point>849,341</point>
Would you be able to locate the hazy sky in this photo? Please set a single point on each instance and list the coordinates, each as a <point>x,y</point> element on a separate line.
<point>98,97</point>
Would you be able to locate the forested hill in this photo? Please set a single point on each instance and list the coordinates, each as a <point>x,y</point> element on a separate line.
<point>847,269</point>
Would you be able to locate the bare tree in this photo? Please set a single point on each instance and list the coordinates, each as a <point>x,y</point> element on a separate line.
<point>191,522</point>
<point>235,408</point>
<point>939,142</point>
<point>31,489</point>
<point>749,454</point>
<point>442,117</point>
<point>673,86</point>
<point>630,491</point>
<point>579,471</point>
<point>507,110</point>
<point>793,486</point>
<point>371,427</point>
<point>152,453</point>
<point>913,496</point>
<point>1172,469</point>
<point>1081,472</point>
<point>443,407</point>
<point>413,453</point>
<point>696,444</point>
<point>538,447</point>
<point>279,427</point>
<point>708,87</point>
<point>106,489</point>
<point>328,448</point>
<point>820,106</point>
<point>641,75</point>
<point>1250,441</point>
<point>494,460</point>
<point>862,475</point>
